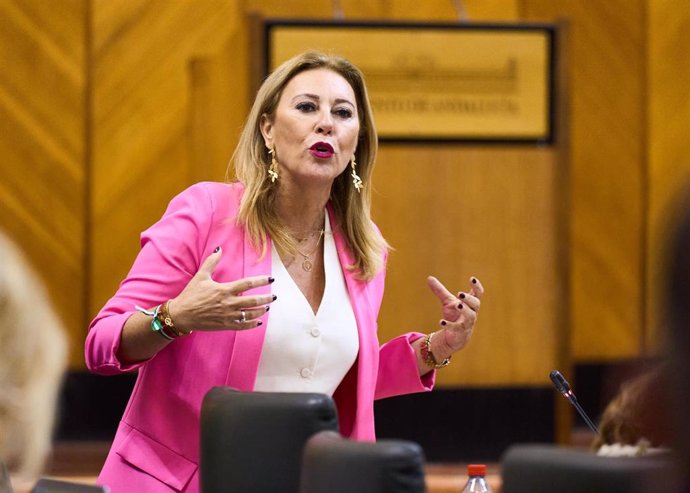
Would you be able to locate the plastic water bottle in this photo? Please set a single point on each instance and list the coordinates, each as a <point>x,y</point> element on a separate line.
<point>476,482</point>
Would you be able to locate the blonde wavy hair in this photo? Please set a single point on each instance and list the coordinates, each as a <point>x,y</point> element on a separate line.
<point>33,355</point>
<point>352,208</point>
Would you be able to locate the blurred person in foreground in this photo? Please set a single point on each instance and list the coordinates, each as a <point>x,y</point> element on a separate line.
<point>650,414</point>
<point>33,355</point>
<point>636,421</point>
<point>270,283</point>
<point>678,322</point>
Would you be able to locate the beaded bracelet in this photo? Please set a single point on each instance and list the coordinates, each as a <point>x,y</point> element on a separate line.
<point>156,324</point>
<point>428,356</point>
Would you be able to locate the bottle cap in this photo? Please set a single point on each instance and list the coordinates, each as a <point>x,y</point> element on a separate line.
<point>476,470</point>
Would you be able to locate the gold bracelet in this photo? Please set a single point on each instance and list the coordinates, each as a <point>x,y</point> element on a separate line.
<point>428,356</point>
<point>167,321</point>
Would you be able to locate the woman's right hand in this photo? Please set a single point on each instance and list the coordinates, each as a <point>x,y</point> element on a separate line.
<point>205,304</point>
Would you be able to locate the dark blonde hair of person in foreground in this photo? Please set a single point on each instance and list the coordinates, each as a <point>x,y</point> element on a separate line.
<point>636,421</point>
<point>33,354</point>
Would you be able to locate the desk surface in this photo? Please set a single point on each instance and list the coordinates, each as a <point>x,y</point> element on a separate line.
<point>80,462</point>
<point>440,478</point>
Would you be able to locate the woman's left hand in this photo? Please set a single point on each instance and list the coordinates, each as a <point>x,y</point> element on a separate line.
<point>459,315</point>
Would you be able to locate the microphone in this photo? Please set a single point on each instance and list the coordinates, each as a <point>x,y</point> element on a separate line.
<point>563,387</point>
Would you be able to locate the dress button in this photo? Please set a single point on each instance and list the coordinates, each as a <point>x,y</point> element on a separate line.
<point>305,373</point>
<point>315,332</point>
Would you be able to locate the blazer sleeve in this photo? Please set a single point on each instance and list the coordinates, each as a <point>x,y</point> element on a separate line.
<point>398,372</point>
<point>171,252</point>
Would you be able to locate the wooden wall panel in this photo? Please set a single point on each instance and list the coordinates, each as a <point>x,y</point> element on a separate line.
<point>412,10</point>
<point>456,211</point>
<point>154,121</point>
<point>219,103</point>
<point>165,109</point>
<point>668,127</point>
<point>144,66</point>
<point>441,10</point>
<point>168,93</point>
<point>42,185</point>
<point>608,151</point>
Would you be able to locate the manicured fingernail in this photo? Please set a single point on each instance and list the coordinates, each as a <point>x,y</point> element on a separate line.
<point>443,322</point>
<point>270,280</point>
<point>216,250</point>
<point>259,322</point>
<point>474,280</point>
<point>268,307</point>
<point>462,296</point>
<point>460,306</point>
<point>275,297</point>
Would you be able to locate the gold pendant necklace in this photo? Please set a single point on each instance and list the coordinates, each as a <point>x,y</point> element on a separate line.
<point>307,264</point>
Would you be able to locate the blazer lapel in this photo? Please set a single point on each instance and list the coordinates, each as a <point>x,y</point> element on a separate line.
<point>246,351</point>
<point>359,296</point>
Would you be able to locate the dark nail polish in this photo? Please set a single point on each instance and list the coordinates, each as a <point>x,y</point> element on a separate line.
<point>275,297</point>
<point>216,250</point>
<point>259,323</point>
<point>268,307</point>
<point>462,296</point>
<point>443,322</point>
<point>270,280</point>
<point>474,281</point>
<point>460,306</point>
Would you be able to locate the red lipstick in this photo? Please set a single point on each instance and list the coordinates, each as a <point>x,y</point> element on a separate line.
<point>322,150</point>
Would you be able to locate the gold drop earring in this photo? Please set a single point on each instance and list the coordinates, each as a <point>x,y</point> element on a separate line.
<point>356,180</point>
<point>273,168</point>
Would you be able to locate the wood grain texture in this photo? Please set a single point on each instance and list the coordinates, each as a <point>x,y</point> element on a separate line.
<point>455,212</point>
<point>162,106</point>
<point>42,190</point>
<point>154,121</point>
<point>608,151</point>
<point>668,128</point>
<point>144,146</point>
<point>388,10</point>
<point>219,103</point>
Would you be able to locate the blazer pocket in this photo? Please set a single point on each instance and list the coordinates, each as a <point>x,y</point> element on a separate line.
<point>157,460</point>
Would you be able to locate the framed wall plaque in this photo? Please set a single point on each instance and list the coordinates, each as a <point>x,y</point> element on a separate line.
<point>445,82</point>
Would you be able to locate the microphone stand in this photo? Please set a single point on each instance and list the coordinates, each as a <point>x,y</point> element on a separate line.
<point>573,400</point>
<point>563,387</point>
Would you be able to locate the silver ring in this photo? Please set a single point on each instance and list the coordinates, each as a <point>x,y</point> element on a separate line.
<point>244,317</point>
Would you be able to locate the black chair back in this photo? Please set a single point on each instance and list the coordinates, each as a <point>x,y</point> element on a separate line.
<point>529,468</point>
<point>333,464</point>
<point>46,485</point>
<point>253,441</point>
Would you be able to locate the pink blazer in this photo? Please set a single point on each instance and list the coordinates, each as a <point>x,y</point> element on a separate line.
<point>156,447</point>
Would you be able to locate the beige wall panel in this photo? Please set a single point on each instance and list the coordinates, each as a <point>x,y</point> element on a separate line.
<point>453,212</point>
<point>42,190</point>
<point>668,131</point>
<point>144,57</point>
<point>606,70</point>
